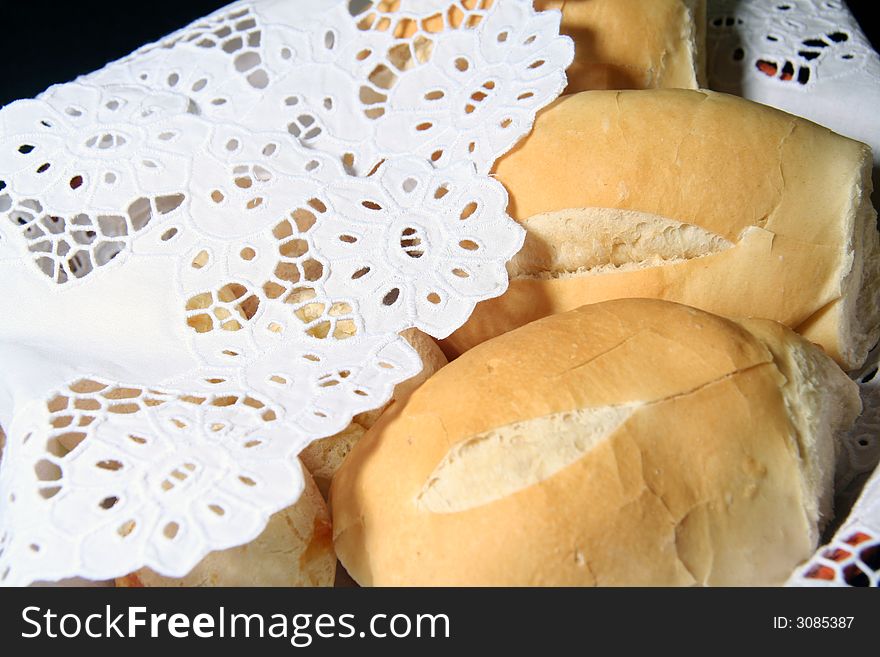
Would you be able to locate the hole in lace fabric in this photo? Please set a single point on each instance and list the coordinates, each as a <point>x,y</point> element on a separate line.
<point>225,309</point>
<point>108,502</point>
<point>47,471</point>
<point>294,269</point>
<point>786,73</point>
<point>88,400</point>
<point>200,260</point>
<point>854,561</point>
<point>411,243</point>
<point>870,556</point>
<point>236,34</point>
<point>855,576</point>
<point>61,445</point>
<point>126,528</point>
<point>326,320</point>
<point>73,247</point>
<point>767,68</point>
<point>468,211</point>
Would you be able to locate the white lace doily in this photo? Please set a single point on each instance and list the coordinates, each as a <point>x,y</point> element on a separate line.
<point>807,57</point>
<point>208,248</point>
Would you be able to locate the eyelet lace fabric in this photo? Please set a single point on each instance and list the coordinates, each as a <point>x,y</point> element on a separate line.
<point>209,248</point>
<point>807,57</point>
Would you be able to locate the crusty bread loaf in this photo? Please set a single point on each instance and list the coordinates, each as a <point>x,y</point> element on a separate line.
<point>631,442</point>
<point>323,457</point>
<point>634,44</point>
<point>696,197</point>
<point>295,549</point>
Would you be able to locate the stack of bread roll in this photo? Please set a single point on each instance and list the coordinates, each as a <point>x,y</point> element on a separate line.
<point>619,44</point>
<point>658,398</point>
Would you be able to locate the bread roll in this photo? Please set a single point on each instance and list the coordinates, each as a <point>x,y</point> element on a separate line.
<point>634,44</point>
<point>632,442</point>
<point>696,197</point>
<point>323,457</point>
<point>295,549</point>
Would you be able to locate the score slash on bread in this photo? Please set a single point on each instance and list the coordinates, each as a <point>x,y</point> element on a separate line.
<point>632,442</point>
<point>695,197</point>
<point>323,457</point>
<point>634,44</point>
<point>295,549</point>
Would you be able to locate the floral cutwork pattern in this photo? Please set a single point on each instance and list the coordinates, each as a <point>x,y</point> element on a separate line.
<point>233,225</point>
<point>798,42</point>
<point>806,57</point>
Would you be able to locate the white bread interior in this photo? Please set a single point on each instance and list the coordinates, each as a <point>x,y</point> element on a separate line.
<point>634,44</point>
<point>294,550</point>
<point>631,442</point>
<point>695,197</point>
<point>583,241</point>
<point>494,464</point>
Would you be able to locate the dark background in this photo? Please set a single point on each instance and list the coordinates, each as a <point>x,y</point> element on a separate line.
<point>48,41</point>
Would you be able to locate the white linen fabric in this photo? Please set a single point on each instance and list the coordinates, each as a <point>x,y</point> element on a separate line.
<point>208,250</point>
<point>807,57</point>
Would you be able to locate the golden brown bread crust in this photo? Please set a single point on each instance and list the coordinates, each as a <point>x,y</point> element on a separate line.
<point>700,483</point>
<point>633,44</point>
<point>791,198</point>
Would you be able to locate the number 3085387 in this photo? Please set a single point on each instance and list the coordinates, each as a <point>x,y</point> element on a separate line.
<point>813,622</point>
